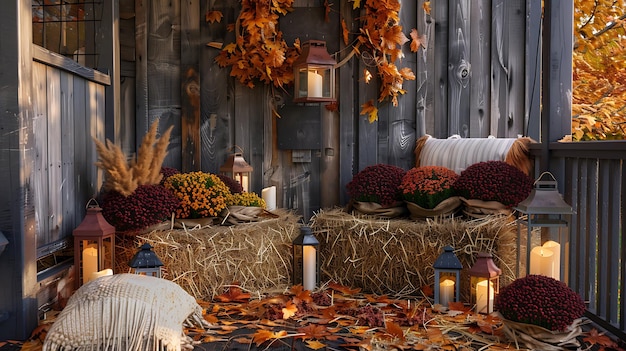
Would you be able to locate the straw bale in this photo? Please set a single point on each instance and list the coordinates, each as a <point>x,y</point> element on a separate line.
<point>204,260</point>
<point>396,256</point>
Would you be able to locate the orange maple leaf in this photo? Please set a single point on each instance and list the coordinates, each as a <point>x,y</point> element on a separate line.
<point>392,37</point>
<point>356,4</point>
<point>213,16</point>
<point>416,41</point>
<point>394,330</point>
<point>369,109</point>
<point>341,288</point>
<point>262,335</point>
<point>594,337</point>
<point>313,331</point>
<point>233,294</point>
<point>300,294</point>
<point>314,344</point>
<point>289,310</point>
<point>426,7</point>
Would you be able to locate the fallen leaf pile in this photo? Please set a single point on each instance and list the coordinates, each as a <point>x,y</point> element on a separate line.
<point>340,318</point>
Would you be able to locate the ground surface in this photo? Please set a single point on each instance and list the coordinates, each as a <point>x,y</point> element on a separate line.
<point>339,318</point>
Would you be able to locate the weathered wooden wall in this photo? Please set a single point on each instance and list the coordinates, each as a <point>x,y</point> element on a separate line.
<point>471,80</point>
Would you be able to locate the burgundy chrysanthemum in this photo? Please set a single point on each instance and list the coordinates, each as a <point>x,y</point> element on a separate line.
<point>494,181</point>
<point>379,183</point>
<point>540,300</point>
<point>146,206</point>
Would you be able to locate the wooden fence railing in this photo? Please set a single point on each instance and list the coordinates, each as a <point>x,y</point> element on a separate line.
<point>592,179</point>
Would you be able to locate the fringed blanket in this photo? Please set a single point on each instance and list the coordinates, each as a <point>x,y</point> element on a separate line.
<point>125,312</point>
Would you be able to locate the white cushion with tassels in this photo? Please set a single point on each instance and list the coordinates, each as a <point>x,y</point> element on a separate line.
<point>125,312</point>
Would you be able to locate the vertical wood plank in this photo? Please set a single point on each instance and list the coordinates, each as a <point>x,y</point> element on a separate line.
<point>533,69</point>
<point>40,144</point>
<point>440,60</point>
<point>55,175</point>
<point>425,73</point>
<point>190,94</point>
<point>480,38</point>
<point>515,89</point>
<point>141,70</point>
<point>67,191</point>
<point>459,67</point>
<point>82,137</point>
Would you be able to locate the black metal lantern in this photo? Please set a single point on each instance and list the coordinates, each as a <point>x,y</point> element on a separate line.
<point>94,245</point>
<point>146,262</point>
<point>237,168</point>
<point>484,283</point>
<point>447,277</point>
<point>544,218</point>
<point>314,73</point>
<point>306,260</point>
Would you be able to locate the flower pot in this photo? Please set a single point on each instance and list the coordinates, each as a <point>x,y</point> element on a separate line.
<point>376,209</point>
<point>445,208</point>
<point>475,208</point>
<point>538,338</point>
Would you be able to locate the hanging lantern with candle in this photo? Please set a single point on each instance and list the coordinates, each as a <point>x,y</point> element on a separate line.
<point>146,262</point>
<point>447,277</point>
<point>314,73</point>
<point>306,261</point>
<point>484,282</point>
<point>543,220</point>
<point>94,243</point>
<point>237,168</point>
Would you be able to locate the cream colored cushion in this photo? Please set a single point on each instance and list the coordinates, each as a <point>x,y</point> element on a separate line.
<point>125,312</point>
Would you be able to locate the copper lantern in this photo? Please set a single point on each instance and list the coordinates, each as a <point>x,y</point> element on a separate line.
<point>314,73</point>
<point>484,283</point>
<point>94,245</point>
<point>237,168</point>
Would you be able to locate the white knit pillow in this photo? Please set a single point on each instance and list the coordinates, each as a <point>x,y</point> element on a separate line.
<point>125,312</point>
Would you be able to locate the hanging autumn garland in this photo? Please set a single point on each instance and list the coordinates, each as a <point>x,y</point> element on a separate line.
<point>260,53</point>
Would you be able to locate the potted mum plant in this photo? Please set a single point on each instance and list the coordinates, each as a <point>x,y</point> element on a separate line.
<point>541,311</point>
<point>376,190</point>
<point>428,191</point>
<point>492,187</point>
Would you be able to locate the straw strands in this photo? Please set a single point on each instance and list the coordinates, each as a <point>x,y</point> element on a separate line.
<point>396,256</point>
<point>204,260</point>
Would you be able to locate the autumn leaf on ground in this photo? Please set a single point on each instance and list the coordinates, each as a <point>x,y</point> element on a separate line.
<point>289,310</point>
<point>435,335</point>
<point>594,337</point>
<point>314,344</point>
<point>341,288</point>
<point>213,16</point>
<point>394,330</point>
<point>261,336</point>
<point>233,294</point>
<point>427,290</point>
<point>459,306</point>
<point>439,308</point>
<point>300,294</point>
<point>314,331</point>
<point>369,109</point>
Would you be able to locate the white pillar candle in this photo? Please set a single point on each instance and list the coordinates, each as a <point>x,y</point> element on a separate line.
<point>541,261</point>
<point>102,273</point>
<point>309,268</point>
<point>314,84</point>
<point>269,196</point>
<point>556,257</point>
<point>90,261</point>
<point>484,296</point>
<point>446,292</point>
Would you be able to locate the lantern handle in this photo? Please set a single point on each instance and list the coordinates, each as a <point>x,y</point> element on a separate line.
<point>89,202</point>
<point>542,174</point>
<point>236,146</point>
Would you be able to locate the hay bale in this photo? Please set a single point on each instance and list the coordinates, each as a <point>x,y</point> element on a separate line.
<point>204,260</point>
<point>396,256</point>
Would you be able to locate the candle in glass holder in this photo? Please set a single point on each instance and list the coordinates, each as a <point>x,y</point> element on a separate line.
<point>484,296</point>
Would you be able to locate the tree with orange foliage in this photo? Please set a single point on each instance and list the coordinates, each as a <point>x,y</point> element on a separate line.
<point>599,74</point>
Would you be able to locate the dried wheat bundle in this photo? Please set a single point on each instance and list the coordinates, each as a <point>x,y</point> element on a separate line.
<point>125,312</point>
<point>205,259</point>
<point>396,256</point>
